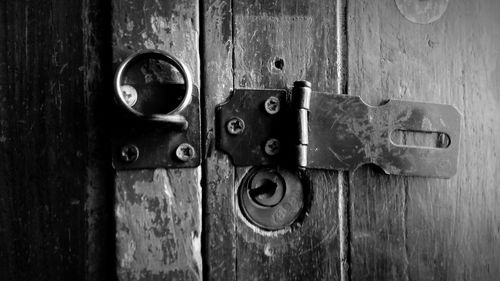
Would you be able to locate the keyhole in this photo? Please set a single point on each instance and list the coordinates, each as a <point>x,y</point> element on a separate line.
<point>267,193</point>
<point>271,198</point>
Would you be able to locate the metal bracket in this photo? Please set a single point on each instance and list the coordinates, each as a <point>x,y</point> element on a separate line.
<point>158,144</point>
<point>157,122</point>
<point>340,132</point>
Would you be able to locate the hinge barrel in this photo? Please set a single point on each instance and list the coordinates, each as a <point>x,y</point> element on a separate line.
<point>301,98</point>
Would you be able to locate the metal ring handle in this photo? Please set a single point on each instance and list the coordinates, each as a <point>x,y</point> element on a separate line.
<point>171,117</point>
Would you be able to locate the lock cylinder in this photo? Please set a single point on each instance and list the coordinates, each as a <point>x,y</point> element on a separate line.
<point>271,198</point>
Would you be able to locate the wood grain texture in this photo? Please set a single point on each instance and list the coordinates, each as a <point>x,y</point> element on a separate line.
<point>158,225</point>
<point>276,43</point>
<point>52,155</point>
<point>97,71</point>
<point>158,212</point>
<point>407,228</point>
<point>219,214</point>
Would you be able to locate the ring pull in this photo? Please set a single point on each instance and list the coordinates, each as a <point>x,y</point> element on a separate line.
<point>147,86</point>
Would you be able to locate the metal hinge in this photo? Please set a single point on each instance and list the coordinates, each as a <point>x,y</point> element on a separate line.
<point>315,130</point>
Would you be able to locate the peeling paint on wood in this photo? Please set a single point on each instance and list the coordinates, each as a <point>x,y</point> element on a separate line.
<point>171,26</point>
<point>158,212</point>
<point>219,214</point>
<point>158,225</point>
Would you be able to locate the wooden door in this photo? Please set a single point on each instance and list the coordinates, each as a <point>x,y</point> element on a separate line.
<point>362,225</point>
<point>56,219</point>
<point>267,44</point>
<point>65,214</point>
<point>405,228</point>
<point>158,211</point>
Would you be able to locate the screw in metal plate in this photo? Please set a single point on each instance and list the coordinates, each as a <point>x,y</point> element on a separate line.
<point>129,94</point>
<point>272,105</point>
<point>235,126</point>
<point>272,147</point>
<point>129,153</point>
<point>185,152</point>
<point>443,140</point>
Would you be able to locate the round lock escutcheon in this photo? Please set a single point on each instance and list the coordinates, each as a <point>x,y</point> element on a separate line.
<point>147,65</point>
<point>271,198</point>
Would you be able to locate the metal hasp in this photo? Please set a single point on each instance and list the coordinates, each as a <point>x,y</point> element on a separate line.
<point>156,123</point>
<point>339,132</point>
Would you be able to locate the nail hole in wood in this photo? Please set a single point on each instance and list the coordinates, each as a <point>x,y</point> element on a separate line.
<point>279,63</point>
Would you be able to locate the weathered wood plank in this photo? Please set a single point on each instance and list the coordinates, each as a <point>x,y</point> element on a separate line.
<point>52,146</point>
<point>97,71</point>
<point>158,212</point>
<point>219,213</point>
<point>158,225</point>
<point>276,43</point>
<point>418,228</point>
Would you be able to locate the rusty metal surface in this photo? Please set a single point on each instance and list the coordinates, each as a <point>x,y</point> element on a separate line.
<point>248,147</point>
<point>157,141</point>
<point>344,133</point>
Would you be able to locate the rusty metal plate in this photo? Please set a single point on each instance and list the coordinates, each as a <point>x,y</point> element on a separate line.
<point>248,147</point>
<point>157,141</point>
<point>346,133</point>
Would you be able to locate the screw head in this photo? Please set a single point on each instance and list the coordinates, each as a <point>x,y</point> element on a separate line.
<point>129,153</point>
<point>235,126</point>
<point>129,94</point>
<point>272,147</point>
<point>443,140</point>
<point>272,105</point>
<point>185,152</point>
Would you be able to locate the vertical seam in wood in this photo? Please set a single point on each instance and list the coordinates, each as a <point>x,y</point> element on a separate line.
<point>233,63</point>
<point>235,225</point>
<point>99,222</point>
<point>204,137</point>
<point>204,122</point>
<point>405,229</point>
<point>344,228</point>
<point>343,177</point>
<point>233,28</point>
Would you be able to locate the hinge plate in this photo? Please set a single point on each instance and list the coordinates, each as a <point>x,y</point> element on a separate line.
<point>344,133</point>
<point>247,148</point>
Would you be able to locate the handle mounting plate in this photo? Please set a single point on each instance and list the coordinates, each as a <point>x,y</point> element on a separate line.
<point>157,141</point>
